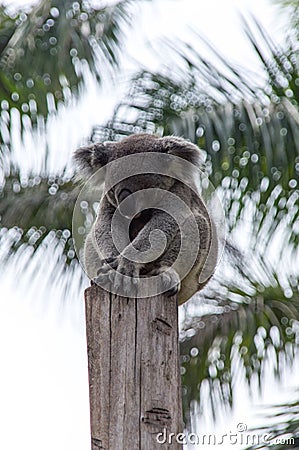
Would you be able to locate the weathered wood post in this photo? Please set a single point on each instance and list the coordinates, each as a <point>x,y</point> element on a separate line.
<point>134,376</point>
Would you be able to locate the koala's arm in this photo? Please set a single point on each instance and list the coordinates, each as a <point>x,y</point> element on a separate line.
<point>99,243</point>
<point>160,221</point>
<point>161,230</point>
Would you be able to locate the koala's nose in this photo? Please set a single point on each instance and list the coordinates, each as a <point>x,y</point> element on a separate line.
<point>127,209</point>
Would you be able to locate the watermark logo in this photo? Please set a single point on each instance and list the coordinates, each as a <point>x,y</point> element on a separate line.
<point>241,436</point>
<point>122,194</point>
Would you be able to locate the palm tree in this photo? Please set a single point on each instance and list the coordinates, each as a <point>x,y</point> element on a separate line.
<point>250,132</point>
<point>284,428</point>
<point>45,54</point>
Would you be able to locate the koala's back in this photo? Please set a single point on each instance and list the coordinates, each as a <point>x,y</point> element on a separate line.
<point>207,251</point>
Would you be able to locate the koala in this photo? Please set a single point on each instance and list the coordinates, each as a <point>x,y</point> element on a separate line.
<point>152,207</point>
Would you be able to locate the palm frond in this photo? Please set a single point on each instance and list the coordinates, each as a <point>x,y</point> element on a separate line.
<point>44,50</point>
<point>280,63</point>
<point>283,431</point>
<point>290,7</point>
<point>248,315</point>
<point>42,262</point>
<point>33,208</point>
<point>36,232</point>
<point>248,132</point>
<point>37,201</point>
<point>248,329</point>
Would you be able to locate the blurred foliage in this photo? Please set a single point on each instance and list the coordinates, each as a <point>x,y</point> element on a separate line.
<point>283,432</point>
<point>248,127</point>
<point>38,203</point>
<point>292,7</point>
<point>249,130</point>
<point>43,50</point>
<point>249,326</point>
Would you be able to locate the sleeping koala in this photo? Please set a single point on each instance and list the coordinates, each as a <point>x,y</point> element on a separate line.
<point>153,233</point>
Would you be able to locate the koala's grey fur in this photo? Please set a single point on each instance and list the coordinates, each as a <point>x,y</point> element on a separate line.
<point>99,265</point>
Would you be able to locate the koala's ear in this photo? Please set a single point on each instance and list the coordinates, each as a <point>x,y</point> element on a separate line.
<point>184,149</point>
<point>90,158</point>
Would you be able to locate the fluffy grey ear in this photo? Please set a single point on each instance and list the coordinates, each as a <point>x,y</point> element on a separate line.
<point>90,158</point>
<point>184,149</point>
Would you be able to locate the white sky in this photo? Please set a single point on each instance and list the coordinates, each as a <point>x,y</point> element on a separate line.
<point>44,388</point>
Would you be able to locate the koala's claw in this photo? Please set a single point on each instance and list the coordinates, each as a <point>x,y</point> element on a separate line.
<point>107,264</point>
<point>105,274</point>
<point>119,276</point>
<point>126,281</point>
<point>170,281</point>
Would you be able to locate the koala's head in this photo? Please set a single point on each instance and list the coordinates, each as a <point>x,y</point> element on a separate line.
<point>93,157</point>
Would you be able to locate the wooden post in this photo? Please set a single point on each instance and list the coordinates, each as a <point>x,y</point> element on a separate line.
<point>134,377</point>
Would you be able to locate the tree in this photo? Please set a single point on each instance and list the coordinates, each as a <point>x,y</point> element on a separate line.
<point>250,132</point>
<point>45,53</point>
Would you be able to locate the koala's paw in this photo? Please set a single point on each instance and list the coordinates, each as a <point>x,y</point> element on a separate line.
<point>107,264</point>
<point>105,271</point>
<point>119,276</point>
<point>126,278</point>
<point>169,279</point>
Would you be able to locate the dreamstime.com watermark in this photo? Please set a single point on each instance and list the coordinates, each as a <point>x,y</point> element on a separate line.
<point>238,437</point>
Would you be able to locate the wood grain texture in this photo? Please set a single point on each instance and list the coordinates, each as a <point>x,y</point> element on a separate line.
<point>133,364</point>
